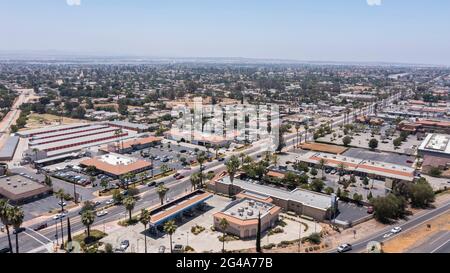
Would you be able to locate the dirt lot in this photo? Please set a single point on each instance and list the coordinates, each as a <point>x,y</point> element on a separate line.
<point>36,121</point>
<point>418,235</point>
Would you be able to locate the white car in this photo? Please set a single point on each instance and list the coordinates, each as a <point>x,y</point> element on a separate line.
<point>102,213</point>
<point>344,248</point>
<point>396,230</point>
<point>387,235</point>
<point>59,216</point>
<point>109,202</point>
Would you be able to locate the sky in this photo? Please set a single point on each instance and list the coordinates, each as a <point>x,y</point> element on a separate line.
<point>406,31</point>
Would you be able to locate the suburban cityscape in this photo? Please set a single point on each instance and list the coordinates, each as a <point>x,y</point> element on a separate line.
<point>222,155</point>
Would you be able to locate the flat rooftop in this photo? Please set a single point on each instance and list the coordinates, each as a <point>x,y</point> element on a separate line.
<point>68,132</point>
<point>248,209</point>
<point>51,129</point>
<point>170,210</point>
<point>383,169</point>
<point>438,143</point>
<point>308,198</point>
<point>116,164</point>
<point>18,187</point>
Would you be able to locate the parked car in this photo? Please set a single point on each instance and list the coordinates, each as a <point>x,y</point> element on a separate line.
<point>109,202</point>
<point>180,177</point>
<point>5,250</point>
<point>221,159</point>
<point>124,245</point>
<point>162,249</point>
<point>178,249</point>
<point>396,230</point>
<point>151,184</point>
<point>62,203</point>
<point>370,210</point>
<point>344,248</point>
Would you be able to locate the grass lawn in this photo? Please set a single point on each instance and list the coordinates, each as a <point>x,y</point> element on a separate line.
<point>88,244</point>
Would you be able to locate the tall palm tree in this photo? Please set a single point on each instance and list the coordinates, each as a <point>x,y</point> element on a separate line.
<point>88,218</point>
<point>223,226</point>
<point>129,203</point>
<point>162,191</point>
<point>216,149</point>
<point>242,156</point>
<point>60,194</point>
<point>232,167</point>
<point>275,160</point>
<point>5,209</point>
<point>297,128</point>
<point>306,133</point>
<point>170,228</point>
<point>201,157</point>
<point>341,167</point>
<point>16,219</point>
<point>145,219</point>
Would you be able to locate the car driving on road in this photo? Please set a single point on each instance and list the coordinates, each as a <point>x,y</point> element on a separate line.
<point>344,248</point>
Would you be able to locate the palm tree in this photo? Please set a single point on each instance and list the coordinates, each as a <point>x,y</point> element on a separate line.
<point>162,191</point>
<point>117,134</point>
<point>216,149</point>
<point>223,226</point>
<point>242,156</point>
<point>248,160</point>
<point>297,128</point>
<point>306,133</point>
<point>322,164</point>
<point>16,219</point>
<point>5,209</point>
<point>142,177</point>
<point>145,219</point>
<point>88,218</point>
<point>129,203</point>
<point>60,194</point>
<point>170,228</point>
<point>232,167</point>
<point>201,159</point>
<point>195,180</point>
<point>341,167</point>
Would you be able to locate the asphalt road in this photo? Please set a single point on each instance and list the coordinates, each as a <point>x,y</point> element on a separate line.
<point>414,221</point>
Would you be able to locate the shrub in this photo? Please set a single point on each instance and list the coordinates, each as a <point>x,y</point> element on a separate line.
<point>314,238</point>
<point>108,248</point>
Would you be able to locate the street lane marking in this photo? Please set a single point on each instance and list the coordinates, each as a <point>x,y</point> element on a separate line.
<point>444,244</point>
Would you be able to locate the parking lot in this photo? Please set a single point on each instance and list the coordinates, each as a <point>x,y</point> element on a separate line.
<point>169,154</point>
<point>349,212</point>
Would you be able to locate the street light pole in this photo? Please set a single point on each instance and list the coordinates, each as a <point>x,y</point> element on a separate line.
<point>56,232</point>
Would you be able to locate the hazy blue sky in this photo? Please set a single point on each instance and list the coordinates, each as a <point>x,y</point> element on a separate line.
<point>414,31</point>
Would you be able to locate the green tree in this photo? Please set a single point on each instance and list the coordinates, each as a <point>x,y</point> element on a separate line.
<point>201,158</point>
<point>129,203</point>
<point>232,167</point>
<point>170,228</point>
<point>397,142</point>
<point>422,194</point>
<point>373,144</point>
<point>329,190</point>
<point>104,184</point>
<point>346,140</point>
<point>322,164</point>
<point>313,171</point>
<point>162,191</point>
<point>195,180</point>
<point>117,196</point>
<point>145,219</point>
<point>317,185</point>
<point>48,181</point>
<point>389,208</point>
<point>88,218</point>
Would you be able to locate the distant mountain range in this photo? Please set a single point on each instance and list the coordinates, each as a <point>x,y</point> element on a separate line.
<point>54,56</point>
